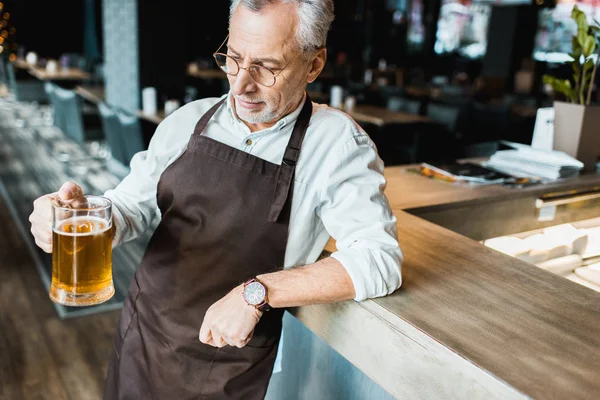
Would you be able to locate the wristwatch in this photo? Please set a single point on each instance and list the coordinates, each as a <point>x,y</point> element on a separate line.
<point>255,294</point>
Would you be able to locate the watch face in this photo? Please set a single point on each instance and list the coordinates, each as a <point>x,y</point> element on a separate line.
<point>254,293</point>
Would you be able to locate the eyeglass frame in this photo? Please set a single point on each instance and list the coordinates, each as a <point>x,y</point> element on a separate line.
<point>275,75</point>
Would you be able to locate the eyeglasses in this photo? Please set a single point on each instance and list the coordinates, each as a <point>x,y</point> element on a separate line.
<point>261,74</point>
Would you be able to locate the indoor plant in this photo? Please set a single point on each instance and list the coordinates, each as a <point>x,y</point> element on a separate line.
<point>576,120</point>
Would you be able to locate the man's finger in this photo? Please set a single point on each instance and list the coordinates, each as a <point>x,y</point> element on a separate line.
<point>245,341</point>
<point>42,206</point>
<point>44,246</point>
<point>211,341</point>
<point>218,339</point>
<point>42,236</point>
<point>205,335</point>
<point>70,190</point>
<point>222,342</point>
<point>78,202</point>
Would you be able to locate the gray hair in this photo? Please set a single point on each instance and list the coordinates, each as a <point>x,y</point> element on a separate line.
<point>314,19</point>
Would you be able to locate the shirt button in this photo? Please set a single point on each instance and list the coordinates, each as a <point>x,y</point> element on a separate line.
<point>248,142</point>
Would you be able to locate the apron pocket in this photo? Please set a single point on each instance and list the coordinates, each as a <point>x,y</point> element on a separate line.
<point>240,373</point>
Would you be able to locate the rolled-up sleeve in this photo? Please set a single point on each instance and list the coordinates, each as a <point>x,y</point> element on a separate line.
<point>356,213</point>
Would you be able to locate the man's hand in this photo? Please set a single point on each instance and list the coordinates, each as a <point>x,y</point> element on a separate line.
<point>230,321</point>
<point>41,217</point>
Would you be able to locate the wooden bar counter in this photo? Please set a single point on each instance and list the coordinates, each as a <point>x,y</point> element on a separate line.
<point>468,322</point>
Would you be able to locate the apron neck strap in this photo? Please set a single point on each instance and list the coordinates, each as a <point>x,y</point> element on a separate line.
<point>292,151</point>
<point>201,124</point>
<point>285,176</point>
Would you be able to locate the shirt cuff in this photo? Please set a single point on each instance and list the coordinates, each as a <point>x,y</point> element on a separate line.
<point>372,276</point>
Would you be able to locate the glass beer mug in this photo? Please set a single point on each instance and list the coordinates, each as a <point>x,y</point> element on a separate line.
<point>82,251</point>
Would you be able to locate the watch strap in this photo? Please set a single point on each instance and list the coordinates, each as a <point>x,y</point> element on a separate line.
<point>264,306</point>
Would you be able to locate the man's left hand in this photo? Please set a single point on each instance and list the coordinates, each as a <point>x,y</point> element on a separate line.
<point>230,321</point>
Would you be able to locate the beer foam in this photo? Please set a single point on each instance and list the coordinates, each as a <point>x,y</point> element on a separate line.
<point>99,226</point>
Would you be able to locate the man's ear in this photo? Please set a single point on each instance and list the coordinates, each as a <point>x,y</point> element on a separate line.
<point>317,65</point>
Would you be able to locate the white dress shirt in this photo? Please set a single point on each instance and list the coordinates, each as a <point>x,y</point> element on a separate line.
<point>338,188</point>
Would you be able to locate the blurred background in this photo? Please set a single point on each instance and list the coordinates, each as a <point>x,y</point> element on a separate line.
<point>457,53</point>
<point>441,58</point>
<point>85,83</point>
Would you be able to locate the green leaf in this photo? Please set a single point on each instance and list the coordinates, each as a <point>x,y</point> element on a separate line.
<point>561,86</point>
<point>589,46</point>
<point>589,64</point>
<point>581,39</point>
<point>565,82</point>
<point>582,24</point>
<point>548,79</point>
<point>576,48</point>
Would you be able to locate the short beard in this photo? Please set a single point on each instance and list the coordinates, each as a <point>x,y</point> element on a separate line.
<point>264,116</point>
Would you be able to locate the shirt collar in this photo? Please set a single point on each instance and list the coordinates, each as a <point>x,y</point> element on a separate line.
<point>288,119</point>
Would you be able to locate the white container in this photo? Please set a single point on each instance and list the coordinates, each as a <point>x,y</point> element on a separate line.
<point>336,96</point>
<point>568,235</point>
<point>349,103</point>
<point>510,245</point>
<point>31,58</point>
<point>51,66</point>
<point>562,265</point>
<point>575,278</point>
<point>149,101</point>
<point>590,275</point>
<point>544,247</point>
<point>170,106</point>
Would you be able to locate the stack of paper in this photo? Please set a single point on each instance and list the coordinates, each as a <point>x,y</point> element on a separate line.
<point>527,161</point>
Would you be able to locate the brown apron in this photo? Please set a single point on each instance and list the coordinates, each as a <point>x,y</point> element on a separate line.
<point>225,218</point>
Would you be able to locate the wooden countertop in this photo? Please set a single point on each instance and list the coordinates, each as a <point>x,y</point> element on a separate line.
<point>205,73</point>
<point>153,118</point>
<point>95,94</point>
<point>381,116</point>
<point>409,191</point>
<point>21,64</point>
<point>532,330</point>
<point>59,74</point>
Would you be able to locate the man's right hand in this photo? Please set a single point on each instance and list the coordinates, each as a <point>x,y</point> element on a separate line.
<point>41,217</point>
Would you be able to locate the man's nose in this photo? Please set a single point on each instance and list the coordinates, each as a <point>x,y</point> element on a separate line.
<point>243,82</point>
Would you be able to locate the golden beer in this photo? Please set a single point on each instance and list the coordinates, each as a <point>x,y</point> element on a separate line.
<point>81,261</point>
